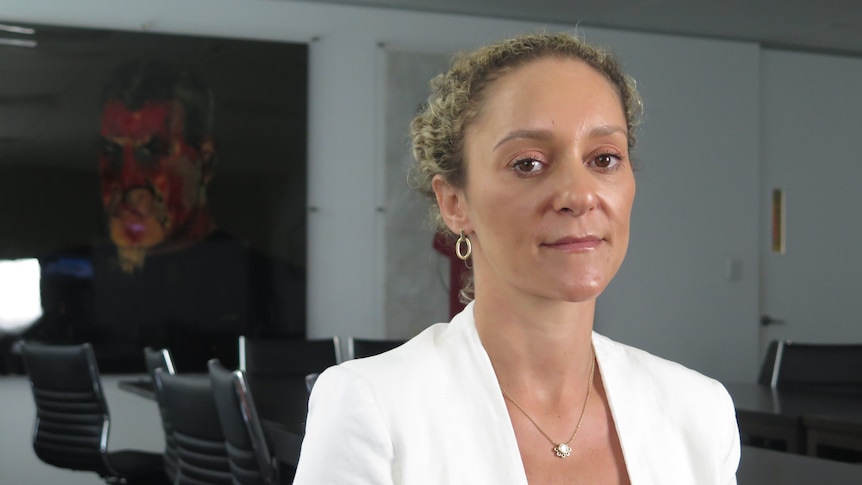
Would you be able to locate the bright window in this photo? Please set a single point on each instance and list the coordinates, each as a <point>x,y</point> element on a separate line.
<point>20,300</point>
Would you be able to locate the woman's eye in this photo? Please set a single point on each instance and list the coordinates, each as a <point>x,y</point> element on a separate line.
<point>113,155</point>
<point>527,165</point>
<point>606,160</point>
<point>151,152</point>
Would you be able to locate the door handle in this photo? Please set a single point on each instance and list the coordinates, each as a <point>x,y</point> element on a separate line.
<point>766,320</point>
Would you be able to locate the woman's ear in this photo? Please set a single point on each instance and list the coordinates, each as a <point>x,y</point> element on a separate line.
<point>208,159</point>
<point>452,204</point>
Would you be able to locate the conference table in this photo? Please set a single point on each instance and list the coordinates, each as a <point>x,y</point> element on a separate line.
<point>760,466</point>
<point>806,421</point>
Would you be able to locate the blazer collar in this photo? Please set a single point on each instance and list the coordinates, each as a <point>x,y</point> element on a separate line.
<point>462,329</point>
<point>629,410</point>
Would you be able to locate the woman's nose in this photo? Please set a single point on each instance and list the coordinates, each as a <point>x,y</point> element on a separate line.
<point>575,188</point>
<point>131,174</point>
<point>139,199</point>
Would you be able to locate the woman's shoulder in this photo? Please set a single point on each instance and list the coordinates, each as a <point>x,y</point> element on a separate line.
<point>421,377</point>
<point>430,350</point>
<point>400,366</point>
<point>683,404</point>
<point>651,372</point>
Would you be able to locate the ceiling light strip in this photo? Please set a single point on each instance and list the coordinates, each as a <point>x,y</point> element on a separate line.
<point>14,29</point>
<point>18,42</point>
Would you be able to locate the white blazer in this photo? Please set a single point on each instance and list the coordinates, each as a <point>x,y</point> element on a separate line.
<point>431,412</point>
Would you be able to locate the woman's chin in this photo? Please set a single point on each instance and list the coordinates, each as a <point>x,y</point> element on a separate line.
<point>581,291</point>
<point>138,235</point>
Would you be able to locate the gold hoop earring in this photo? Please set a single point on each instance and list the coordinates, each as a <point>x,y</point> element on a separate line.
<point>462,239</point>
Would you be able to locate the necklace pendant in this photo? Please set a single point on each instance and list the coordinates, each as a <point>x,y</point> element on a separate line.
<point>563,450</point>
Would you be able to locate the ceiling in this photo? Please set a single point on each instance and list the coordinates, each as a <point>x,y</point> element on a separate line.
<point>833,26</point>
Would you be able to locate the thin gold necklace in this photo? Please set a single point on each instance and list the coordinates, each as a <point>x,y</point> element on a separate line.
<point>563,450</point>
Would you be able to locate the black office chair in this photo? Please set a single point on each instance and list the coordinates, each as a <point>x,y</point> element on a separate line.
<point>72,418</point>
<point>161,359</point>
<point>818,367</point>
<point>191,409</point>
<point>287,357</point>
<point>251,461</point>
<point>363,347</point>
<point>310,380</point>
<point>769,367</point>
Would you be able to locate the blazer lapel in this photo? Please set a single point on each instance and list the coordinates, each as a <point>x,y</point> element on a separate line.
<point>630,411</point>
<point>483,397</point>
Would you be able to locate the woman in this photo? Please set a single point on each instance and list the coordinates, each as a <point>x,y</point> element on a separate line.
<point>524,145</point>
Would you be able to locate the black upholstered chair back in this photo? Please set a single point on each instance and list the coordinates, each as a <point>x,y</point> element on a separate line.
<point>362,347</point>
<point>158,359</point>
<point>824,367</point>
<point>768,367</point>
<point>71,429</point>
<point>288,357</point>
<point>310,380</point>
<point>161,359</point>
<point>190,407</point>
<point>251,461</point>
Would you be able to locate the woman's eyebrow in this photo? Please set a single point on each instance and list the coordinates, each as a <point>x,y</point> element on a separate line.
<point>595,132</point>
<point>530,134</point>
<point>607,130</point>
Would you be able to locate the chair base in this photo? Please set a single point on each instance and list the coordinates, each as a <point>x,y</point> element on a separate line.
<point>137,467</point>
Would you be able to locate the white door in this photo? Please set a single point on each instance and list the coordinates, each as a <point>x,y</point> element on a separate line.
<point>811,128</point>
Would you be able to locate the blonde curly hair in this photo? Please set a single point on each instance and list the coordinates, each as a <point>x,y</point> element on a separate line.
<point>457,96</point>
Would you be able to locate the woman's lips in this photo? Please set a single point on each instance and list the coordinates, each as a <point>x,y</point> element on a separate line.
<point>575,244</point>
<point>135,227</point>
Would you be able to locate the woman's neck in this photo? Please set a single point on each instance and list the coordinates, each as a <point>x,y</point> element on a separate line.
<point>537,347</point>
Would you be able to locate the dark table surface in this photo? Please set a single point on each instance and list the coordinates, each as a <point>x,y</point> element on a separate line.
<point>800,421</point>
<point>796,403</point>
<point>768,467</point>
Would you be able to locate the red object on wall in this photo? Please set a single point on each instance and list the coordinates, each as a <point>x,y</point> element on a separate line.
<point>456,270</point>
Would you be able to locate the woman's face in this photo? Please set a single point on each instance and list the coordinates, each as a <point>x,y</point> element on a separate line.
<point>549,187</point>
